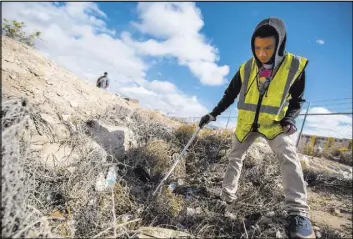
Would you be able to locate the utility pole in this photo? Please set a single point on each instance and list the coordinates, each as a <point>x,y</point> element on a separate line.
<point>301,130</point>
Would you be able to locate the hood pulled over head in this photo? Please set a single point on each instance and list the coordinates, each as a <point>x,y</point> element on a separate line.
<point>277,27</point>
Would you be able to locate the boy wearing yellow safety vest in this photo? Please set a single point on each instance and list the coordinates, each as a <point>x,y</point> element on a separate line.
<point>270,88</point>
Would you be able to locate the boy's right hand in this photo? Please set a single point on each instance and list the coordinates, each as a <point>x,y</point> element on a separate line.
<point>206,119</point>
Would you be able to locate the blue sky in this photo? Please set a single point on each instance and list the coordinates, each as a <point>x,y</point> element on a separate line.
<point>329,73</point>
<point>229,25</point>
<point>179,57</point>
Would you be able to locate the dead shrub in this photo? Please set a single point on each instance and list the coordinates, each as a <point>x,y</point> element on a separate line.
<point>184,133</point>
<point>346,158</point>
<point>123,200</point>
<point>160,158</point>
<point>210,147</point>
<point>156,157</point>
<point>168,205</point>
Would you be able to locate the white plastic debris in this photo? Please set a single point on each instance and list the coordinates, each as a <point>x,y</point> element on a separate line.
<point>171,187</point>
<point>193,211</point>
<point>126,217</point>
<point>111,177</point>
<point>103,183</point>
<point>190,211</point>
<point>180,182</point>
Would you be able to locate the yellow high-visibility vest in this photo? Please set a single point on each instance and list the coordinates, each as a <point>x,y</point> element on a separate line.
<point>274,103</point>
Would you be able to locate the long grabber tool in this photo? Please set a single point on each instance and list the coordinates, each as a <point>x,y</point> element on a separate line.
<point>177,160</point>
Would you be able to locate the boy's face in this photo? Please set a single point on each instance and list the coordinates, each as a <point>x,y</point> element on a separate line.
<point>264,48</point>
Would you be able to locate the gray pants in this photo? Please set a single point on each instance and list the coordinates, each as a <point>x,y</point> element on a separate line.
<point>292,174</point>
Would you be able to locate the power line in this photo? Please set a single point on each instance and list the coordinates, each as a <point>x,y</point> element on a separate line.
<point>345,103</point>
<point>336,113</point>
<point>343,108</point>
<point>330,100</point>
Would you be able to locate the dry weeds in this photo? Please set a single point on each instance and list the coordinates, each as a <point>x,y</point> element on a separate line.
<point>44,202</point>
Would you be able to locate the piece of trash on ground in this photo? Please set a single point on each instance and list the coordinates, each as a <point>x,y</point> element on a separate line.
<point>171,187</point>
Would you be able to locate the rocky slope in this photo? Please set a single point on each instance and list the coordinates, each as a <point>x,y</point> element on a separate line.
<point>62,101</point>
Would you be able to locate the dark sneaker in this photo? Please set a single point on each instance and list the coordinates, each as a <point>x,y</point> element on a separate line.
<point>300,227</point>
<point>216,193</point>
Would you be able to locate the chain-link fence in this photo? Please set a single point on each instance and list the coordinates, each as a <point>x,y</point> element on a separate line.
<point>318,128</point>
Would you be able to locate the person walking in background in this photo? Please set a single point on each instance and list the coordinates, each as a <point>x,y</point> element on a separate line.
<point>270,87</point>
<point>103,81</point>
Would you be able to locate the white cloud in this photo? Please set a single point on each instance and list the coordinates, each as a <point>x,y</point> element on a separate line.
<point>162,86</point>
<point>320,42</point>
<point>165,97</point>
<point>76,36</point>
<point>177,29</point>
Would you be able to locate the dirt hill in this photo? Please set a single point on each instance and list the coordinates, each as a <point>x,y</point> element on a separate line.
<point>78,161</point>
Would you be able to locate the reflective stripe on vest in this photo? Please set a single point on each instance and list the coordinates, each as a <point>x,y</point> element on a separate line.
<point>265,108</point>
<point>275,104</point>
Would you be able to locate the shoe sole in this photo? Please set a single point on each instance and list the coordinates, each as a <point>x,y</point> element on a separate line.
<point>298,236</point>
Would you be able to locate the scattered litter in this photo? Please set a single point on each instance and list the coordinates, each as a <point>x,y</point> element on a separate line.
<point>111,177</point>
<point>103,183</point>
<point>190,212</point>
<point>171,187</point>
<point>188,194</point>
<point>193,211</point>
<point>126,217</point>
<point>180,182</point>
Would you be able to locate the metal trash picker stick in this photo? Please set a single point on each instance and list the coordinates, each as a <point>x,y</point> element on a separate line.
<point>177,160</point>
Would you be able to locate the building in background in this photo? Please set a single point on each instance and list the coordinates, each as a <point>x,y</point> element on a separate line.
<point>327,144</point>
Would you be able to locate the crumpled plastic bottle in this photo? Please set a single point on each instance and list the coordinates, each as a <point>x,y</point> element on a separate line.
<point>111,177</point>
<point>171,187</point>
